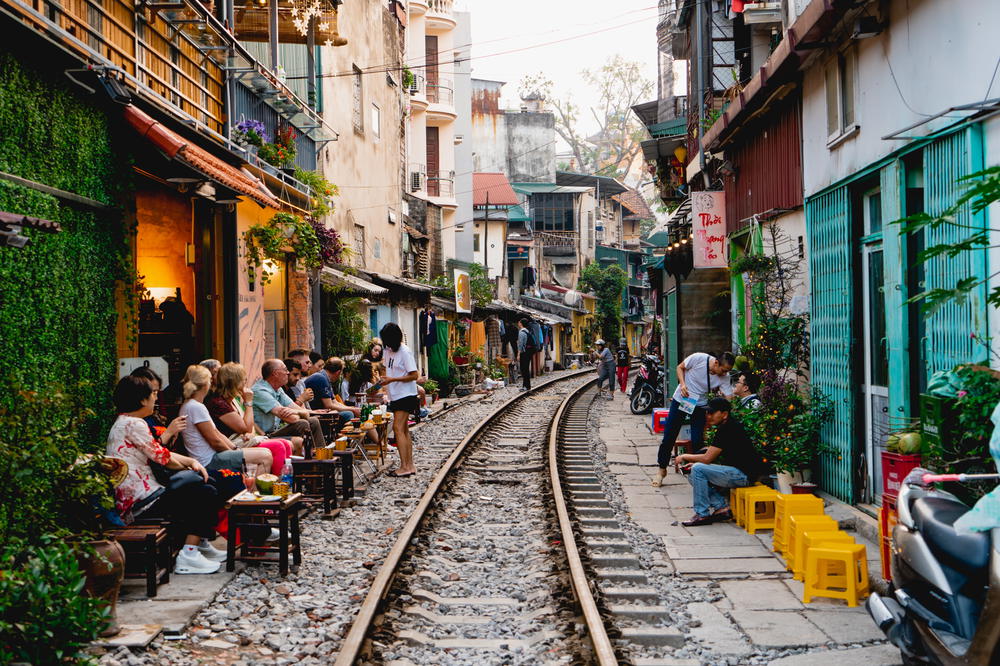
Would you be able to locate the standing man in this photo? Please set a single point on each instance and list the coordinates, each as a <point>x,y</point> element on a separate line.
<point>605,369</point>
<point>525,351</point>
<point>623,359</point>
<point>698,376</point>
<point>740,466</point>
<point>275,413</point>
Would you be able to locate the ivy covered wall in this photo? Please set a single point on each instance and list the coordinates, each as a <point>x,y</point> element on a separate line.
<point>57,294</point>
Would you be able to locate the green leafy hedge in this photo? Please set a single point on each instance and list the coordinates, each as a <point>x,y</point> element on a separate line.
<point>57,321</point>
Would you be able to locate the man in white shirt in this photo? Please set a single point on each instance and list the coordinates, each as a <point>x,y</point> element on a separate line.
<point>698,376</point>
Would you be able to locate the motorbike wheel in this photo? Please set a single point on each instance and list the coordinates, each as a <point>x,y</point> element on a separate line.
<point>642,401</point>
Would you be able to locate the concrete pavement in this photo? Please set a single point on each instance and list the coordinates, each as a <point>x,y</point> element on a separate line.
<point>760,607</point>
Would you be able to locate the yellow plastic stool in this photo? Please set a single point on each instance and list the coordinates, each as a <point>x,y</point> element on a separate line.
<point>792,505</point>
<point>799,524</point>
<point>763,520</point>
<point>736,501</point>
<point>811,538</point>
<point>837,571</point>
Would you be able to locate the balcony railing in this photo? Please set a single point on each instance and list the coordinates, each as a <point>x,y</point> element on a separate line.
<point>440,92</point>
<point>441,184</point>
<point>441,6</point>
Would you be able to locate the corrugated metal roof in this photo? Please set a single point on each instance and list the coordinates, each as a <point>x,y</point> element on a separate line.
<point>352,283</point>
<point>492,189</point>
<point>517,214</point>
<point>607,184</point>
<point>548,188</point>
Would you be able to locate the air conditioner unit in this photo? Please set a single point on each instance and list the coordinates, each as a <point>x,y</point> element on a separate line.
<point>761,12</point>
<point>416,181</point>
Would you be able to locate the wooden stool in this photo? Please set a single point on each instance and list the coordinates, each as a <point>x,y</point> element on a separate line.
<point>147,554</point>
<point>811,538</point>
<point>789,505</point>
<point>736,501</point>
<point>316,480</point>
<point>837,571</point>
<point>753,519</point>
<point>282,514</point>
<point>681,446</point>
<point>797,525</point>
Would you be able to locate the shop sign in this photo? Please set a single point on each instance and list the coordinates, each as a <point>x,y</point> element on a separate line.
<point>708,226</point>
<point>463,292</point>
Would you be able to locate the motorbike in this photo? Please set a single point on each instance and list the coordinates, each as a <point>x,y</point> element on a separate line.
<point>944,605</point>
<point>647,391</point>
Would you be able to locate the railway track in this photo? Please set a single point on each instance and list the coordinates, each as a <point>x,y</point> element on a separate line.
<point>513,555</point>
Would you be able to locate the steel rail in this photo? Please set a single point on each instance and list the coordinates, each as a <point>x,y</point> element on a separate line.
<point>604,651</point>
<point>354,643</point>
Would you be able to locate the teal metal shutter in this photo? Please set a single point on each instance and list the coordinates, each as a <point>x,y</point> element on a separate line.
<point>897,331</point>
<point>829,227</point>
<point>947,341</point>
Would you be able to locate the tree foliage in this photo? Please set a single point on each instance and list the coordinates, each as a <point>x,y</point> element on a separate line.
<point>982,189</point>
<point>608,284</point>
<point>610,151</point>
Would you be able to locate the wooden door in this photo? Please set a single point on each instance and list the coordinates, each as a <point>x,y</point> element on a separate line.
<point>433,162</point>
<point>431,60</point>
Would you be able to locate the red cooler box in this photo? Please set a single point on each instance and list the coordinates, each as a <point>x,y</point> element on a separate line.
<point>659,419</point>
<point>895,467</point>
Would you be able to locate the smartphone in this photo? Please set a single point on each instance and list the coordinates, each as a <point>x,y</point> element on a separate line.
<point>376,387</point>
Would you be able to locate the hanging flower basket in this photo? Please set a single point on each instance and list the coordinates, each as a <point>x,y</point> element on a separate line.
<point>283,236</point>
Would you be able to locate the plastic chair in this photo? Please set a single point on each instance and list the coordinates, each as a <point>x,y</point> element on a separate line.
<point>736,501</point>
<point>799,524</point>
<point>763,520</point>
<point>811,538</point>
<point>836,571</point>
<point>792,505</point>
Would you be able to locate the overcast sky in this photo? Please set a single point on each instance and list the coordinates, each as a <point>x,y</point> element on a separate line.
<point>592,30</point>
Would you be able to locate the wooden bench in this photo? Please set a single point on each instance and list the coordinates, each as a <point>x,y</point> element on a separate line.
<point>147,554</point>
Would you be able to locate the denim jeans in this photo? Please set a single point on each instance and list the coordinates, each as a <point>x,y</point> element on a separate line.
<point>675,419</point>
<point>707,479</point>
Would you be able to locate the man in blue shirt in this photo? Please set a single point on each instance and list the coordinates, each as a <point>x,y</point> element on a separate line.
<point>276,414</point>
<point>326,385</point>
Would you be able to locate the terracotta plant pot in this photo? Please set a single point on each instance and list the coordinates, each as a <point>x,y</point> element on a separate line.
<point>104,570</point>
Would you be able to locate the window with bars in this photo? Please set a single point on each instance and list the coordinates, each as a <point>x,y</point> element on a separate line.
<point>359,243</point>
<point>553,212</point>
<point>359,120</point>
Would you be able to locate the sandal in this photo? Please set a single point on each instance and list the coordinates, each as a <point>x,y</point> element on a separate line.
<point>658,481</point>
<point>394,475</point>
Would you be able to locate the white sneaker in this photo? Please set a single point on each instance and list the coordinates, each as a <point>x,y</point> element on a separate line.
<point>274,535</point>
<point>189,562</point>
<point>211,553</point>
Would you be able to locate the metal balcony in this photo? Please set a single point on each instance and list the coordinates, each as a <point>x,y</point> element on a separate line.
<point>441,184</point>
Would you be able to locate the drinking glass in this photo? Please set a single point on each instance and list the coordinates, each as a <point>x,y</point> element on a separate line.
<point>250,477</point>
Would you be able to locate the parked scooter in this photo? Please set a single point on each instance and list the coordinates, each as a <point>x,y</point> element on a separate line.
<point>647,391</point>
<point>945,602</point>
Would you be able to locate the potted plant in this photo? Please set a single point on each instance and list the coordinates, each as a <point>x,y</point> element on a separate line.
<point>431,388</point>
<point>282,152</point>
<point>786,428</point>
<point>250,134</point>
<point>460,355</point>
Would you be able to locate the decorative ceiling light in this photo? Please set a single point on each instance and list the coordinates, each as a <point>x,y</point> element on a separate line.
<point>303,12</point>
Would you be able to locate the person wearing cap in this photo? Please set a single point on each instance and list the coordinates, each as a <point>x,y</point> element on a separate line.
<point>623,359</point>
<point>605,368</point>
<point>731,461</point>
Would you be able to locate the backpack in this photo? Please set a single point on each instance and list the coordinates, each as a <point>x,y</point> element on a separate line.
<point>530,346</point>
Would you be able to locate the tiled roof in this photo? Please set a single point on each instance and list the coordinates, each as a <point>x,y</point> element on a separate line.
<point>198,158</point>
<point>492,188</point>
<point>635,203</point>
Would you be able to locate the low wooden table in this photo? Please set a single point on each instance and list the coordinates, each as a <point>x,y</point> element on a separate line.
<point>316,479</point>
<point>282,514</point>
<point>147,554</point>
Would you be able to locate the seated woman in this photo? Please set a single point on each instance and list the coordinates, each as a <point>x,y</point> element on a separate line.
<point>192,506</point>
<point>231,408</point>
<point>165,434</point>
<point>202,439</point>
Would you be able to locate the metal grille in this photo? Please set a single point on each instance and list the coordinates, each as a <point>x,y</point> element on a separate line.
<point>895,265</point>
<point>829,227</point>
<point>947,341</point>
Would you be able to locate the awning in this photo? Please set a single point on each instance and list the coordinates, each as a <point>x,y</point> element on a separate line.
<point>551,307</point>
<point>545,316</point>
<point>412,285</point>
<point>197,158</point>
<point>415,233</point>
<point>443,304</point>
<point>606,185</point>
<point>662,147</point>
<point>334,278</point>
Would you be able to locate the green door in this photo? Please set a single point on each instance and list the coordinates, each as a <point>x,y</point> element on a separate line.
<point>828,224</point>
